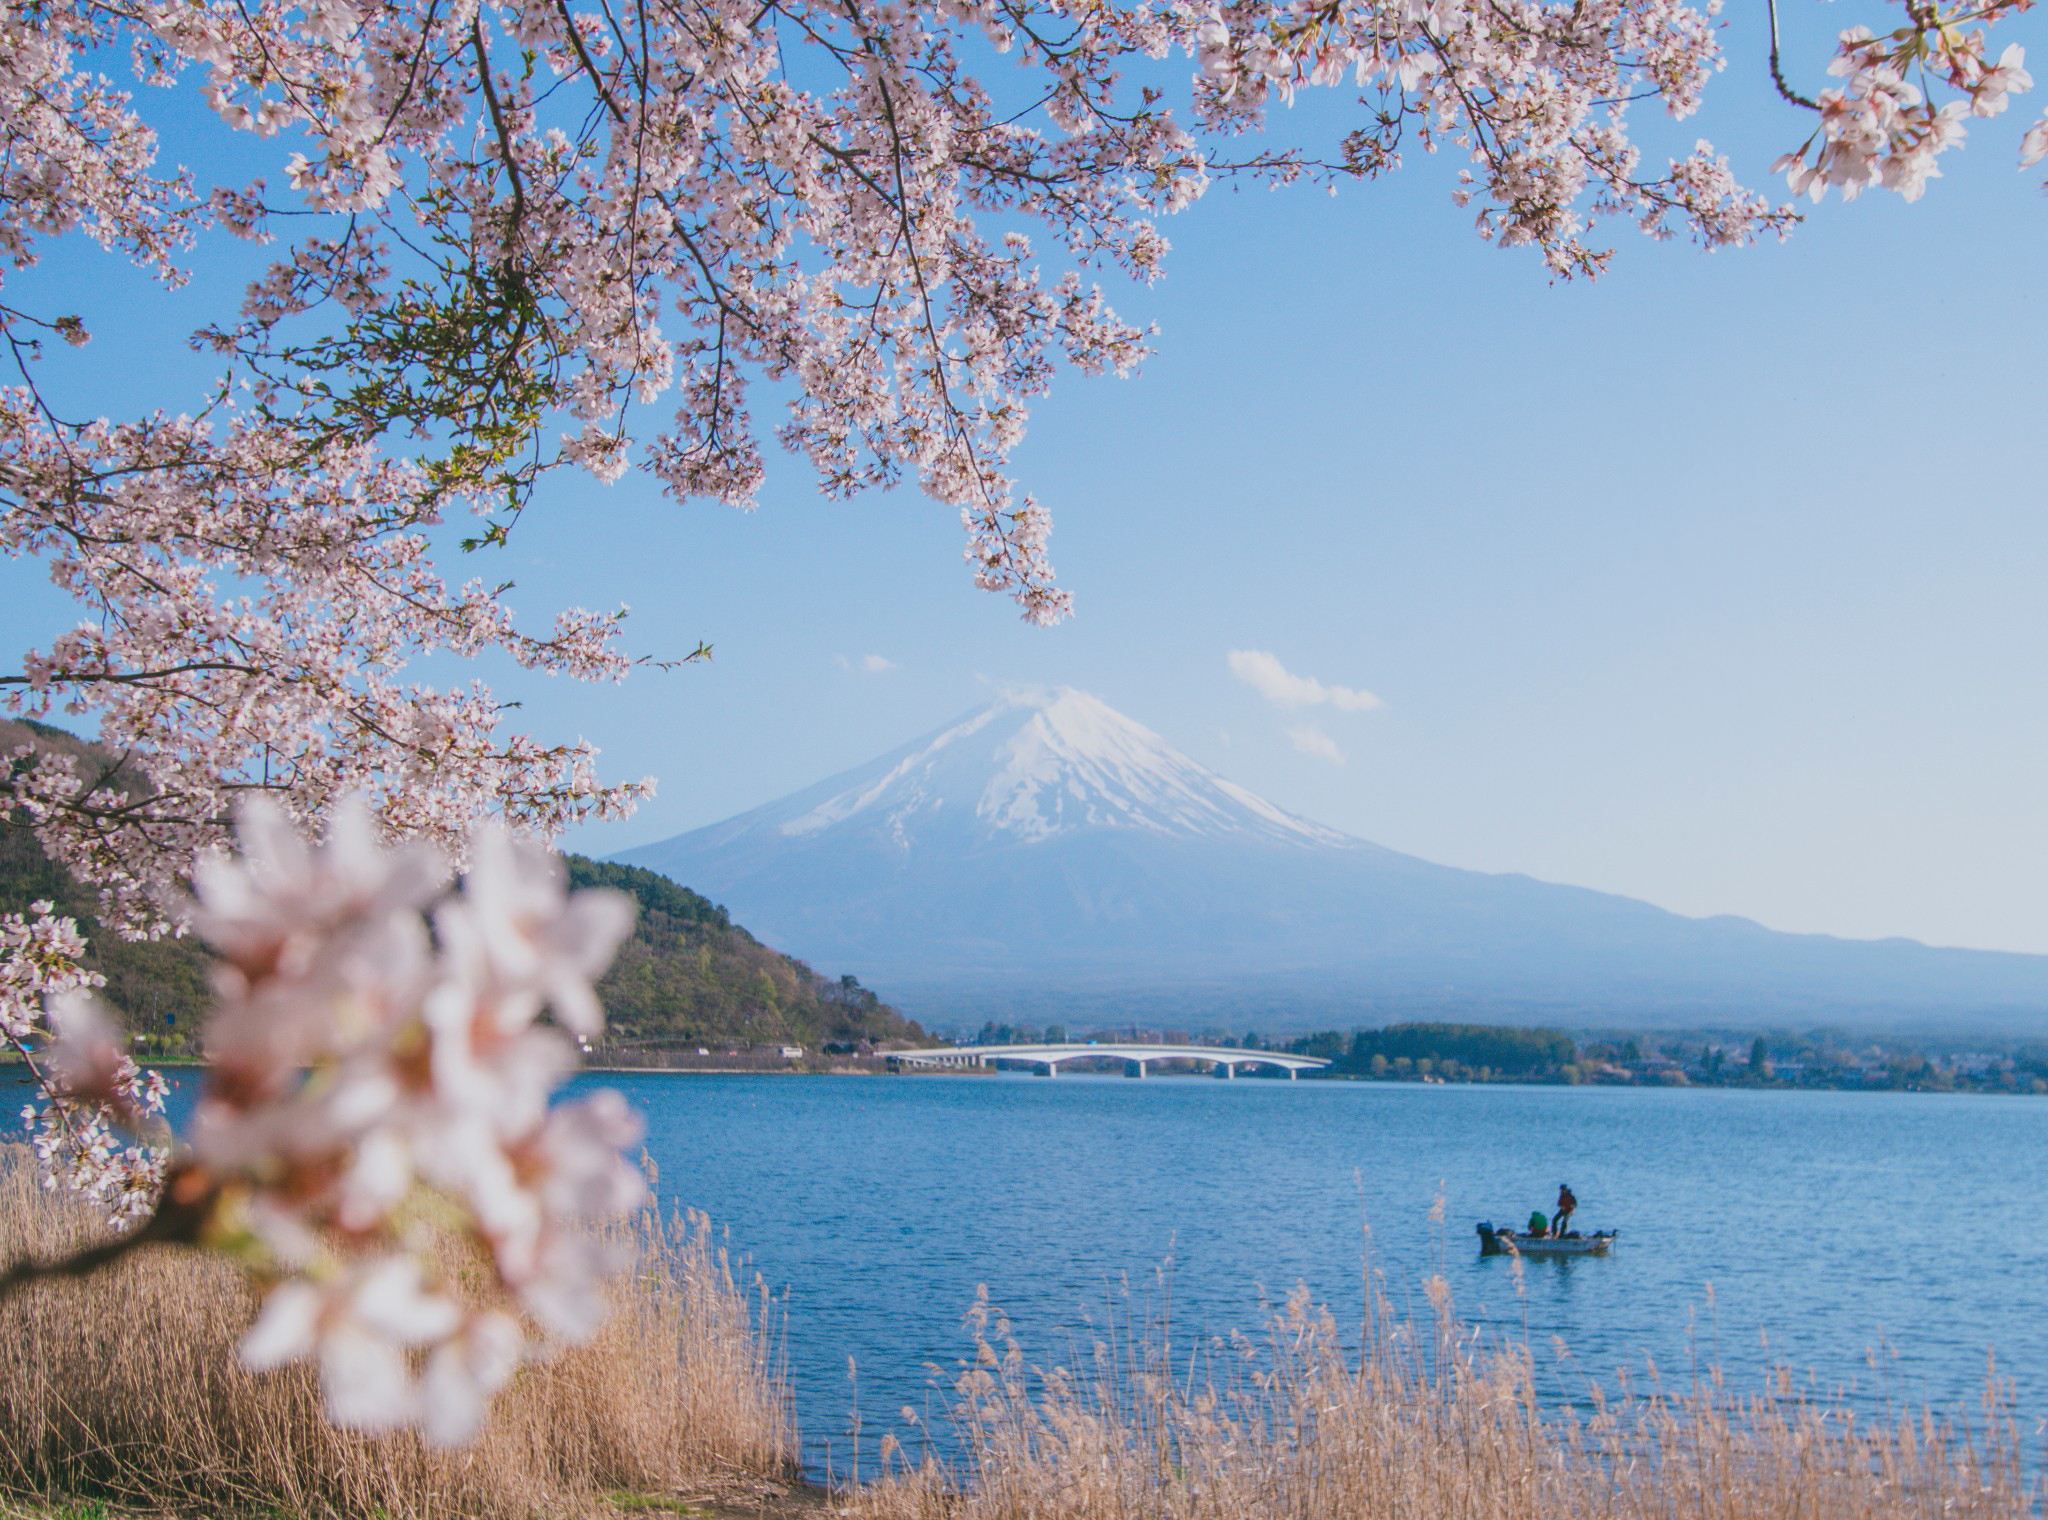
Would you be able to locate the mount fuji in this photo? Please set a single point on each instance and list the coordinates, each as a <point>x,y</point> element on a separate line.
<point>1047,857</point>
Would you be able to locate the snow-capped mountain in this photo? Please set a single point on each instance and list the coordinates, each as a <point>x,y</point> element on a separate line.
<point>1033,766</point>
<point>1047,857</point>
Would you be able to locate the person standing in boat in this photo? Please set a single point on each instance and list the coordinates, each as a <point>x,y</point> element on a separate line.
<point>1566,1202</point>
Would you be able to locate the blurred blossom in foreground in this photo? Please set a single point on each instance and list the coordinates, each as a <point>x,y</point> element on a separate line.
<point>377,1111</point>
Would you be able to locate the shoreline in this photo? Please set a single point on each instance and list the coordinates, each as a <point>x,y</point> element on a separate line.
<point>14,1066</point>
<point>1344,1079</point>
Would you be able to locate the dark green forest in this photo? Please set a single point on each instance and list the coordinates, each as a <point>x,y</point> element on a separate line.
<point>1508,1052</point>
<point>687,976</point>
<point>1455,1052</point>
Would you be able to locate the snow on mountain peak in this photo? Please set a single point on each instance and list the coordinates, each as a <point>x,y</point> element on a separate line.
<point>1043,762</point>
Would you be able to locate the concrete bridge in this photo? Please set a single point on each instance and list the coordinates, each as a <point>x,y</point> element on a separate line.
<point>1049,1058</point>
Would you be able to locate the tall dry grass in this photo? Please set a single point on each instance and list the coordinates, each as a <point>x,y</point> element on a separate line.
<point>1420,1424</point>
<point>125,1386</point>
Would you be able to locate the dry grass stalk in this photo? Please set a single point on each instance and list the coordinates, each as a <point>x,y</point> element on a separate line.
<point>1423,1424</point>
<point>125,1386</point>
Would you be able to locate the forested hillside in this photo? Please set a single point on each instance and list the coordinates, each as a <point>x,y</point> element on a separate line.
<point>688,975</point>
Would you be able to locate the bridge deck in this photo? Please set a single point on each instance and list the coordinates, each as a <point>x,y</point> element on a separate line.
<point>1053,1056</point>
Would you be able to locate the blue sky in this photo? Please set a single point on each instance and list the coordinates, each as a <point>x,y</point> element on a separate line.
<point>1718,582</point>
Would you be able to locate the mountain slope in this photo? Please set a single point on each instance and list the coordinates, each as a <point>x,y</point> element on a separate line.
<point>1046,854</point>
<point>687,975</point>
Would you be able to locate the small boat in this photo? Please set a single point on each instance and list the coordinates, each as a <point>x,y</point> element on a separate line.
<point>1506,1242</point>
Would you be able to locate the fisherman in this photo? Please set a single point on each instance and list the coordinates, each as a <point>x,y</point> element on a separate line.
<point>1566,1202</point>
<point>1538,1225</point>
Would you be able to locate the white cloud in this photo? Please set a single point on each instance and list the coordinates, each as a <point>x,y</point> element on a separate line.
<point>868,664</point>
<point>1311,740</point>
<point>1262,671</point>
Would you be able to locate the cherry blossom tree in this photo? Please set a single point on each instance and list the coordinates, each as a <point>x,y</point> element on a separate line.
<point>491,243</point>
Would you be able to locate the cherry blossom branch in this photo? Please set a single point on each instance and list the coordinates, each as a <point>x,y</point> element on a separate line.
<point>506,153</point>
<point>82,1263</point>
<point>178,1219</point>
<point>1785,91</point>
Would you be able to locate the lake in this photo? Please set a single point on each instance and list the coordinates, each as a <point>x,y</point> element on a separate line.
<point>1884,1243</point>
<point>1880,1242</point>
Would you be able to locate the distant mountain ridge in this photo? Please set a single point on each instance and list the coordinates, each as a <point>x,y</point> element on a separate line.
<point>1046,855</point>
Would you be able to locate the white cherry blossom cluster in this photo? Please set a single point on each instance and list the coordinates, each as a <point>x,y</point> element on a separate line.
<point>40,955</point>
<point>380,1107</point>
<point>361,1063</point>
<point>254,604</point>
<point>1534,96</point>
<point>91,1094</point>
<point>1879,128</point>
<point>98,1131</point>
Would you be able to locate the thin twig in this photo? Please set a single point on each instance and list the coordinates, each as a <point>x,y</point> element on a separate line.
<point>188,1199</point>
<point>1778,73</point>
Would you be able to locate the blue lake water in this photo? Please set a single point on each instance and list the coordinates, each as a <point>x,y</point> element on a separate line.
<point>1882,1243</point>
<point>1885,1243</point>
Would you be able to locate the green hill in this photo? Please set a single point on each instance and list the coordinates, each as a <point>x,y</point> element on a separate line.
<point>689,976</point>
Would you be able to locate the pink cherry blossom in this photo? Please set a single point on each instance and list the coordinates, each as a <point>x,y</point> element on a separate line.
<point>1882,127</point>
<point>93,1127</point>
<point>39,960</point>
<point>361,1327</point>
<point>463,1371</point>
<point>371,1093</point>
<point>2034,146</point>
<point>527,943</point>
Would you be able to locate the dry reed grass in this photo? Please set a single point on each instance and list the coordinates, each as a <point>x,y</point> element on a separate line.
<point>125,1386</point>
<point>1420,1423</point>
